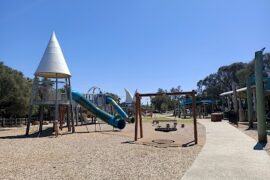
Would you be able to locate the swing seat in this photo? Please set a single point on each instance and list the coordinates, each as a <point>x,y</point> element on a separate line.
<point>165,129</point>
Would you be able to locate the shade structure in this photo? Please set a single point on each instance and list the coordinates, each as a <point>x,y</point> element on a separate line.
<point>53,63</point>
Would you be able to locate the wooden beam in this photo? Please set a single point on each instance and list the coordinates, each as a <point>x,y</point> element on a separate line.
<point>167,94</point>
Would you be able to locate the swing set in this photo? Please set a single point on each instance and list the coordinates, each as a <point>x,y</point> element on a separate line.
<point>138,111</point>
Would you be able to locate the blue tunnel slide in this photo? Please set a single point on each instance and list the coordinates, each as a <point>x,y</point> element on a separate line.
<point>115,121</point>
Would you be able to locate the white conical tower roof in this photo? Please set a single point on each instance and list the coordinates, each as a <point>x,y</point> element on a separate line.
<point>53,62</point>
<point>129,98</point>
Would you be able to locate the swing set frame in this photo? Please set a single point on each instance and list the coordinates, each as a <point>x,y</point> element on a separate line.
<point>138,111</point>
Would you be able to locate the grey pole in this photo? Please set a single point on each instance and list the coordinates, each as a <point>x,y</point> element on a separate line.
<point>261,119</point>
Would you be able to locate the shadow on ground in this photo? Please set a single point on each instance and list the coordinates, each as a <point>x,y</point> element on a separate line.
<point>48,132</point>
<point>161,145</point>
<point>45,133</point>
<point>259,146</point>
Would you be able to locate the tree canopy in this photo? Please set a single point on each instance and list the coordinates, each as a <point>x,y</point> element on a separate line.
<point>164,103</point>
<point>222,80</point>
<point>14,92</point>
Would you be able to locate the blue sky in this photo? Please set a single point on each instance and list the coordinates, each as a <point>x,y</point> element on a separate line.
<point>134,44</point>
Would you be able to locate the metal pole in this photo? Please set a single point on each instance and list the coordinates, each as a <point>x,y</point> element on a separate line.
<point>261,119</point>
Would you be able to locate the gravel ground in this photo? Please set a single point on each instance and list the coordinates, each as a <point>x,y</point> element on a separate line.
<point>95,155</point>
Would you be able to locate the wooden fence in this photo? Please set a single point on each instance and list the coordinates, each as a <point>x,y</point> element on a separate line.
<point>12,122</point>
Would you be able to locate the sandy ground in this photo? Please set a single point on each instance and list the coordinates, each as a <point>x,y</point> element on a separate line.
<point>243,126</point>
<point>97,155</point>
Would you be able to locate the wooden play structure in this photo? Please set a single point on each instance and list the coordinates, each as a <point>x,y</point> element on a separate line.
<point>52,88</point>
<point>138,111</point>
<point>255,94</point>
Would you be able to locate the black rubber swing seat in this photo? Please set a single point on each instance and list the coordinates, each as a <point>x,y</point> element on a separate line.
<point>164,129</point>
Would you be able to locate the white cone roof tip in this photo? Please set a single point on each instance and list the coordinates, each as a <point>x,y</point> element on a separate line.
<point>129,98</point>
<point>134,96</point>
<point>53,62</point>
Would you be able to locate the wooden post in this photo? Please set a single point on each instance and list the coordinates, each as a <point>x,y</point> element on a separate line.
<point>140,117</point>
<point>136,118</point>
<point>71,109</point>
<point>68,118</point>
<point>67,93</point>
<point>33,93</point>
<point>56,115</point>
<point>194,117</point>
<point>235,107</point>
<point>240,109</point>
<point>29,120</point>
<point>76,115</point>
<point>184,112</point>
<point>249,104</point>
<point>261,119</point>
<point>41,118</point>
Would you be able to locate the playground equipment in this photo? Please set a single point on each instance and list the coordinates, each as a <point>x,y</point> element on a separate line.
<point>261,118</point>
<point>204,106</point>
<point>115,121</point>
<point>105,102</point>
<point>52,88</point>
<point>254,94</point>
<point>168,126</point>
<point>129,105</point>
<point>138,111</point>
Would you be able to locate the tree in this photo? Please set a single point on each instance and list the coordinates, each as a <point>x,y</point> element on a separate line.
<point>14,92</point>
<point>249,70</point>
<point>115,97</point>
<point>164,103</point>
<point>221,81</point>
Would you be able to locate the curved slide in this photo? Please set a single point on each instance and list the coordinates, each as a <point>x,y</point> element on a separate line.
<point>117,108</point>
<point>115,121</point>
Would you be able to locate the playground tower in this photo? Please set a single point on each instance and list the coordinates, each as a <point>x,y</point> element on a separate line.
<point>52,88</point>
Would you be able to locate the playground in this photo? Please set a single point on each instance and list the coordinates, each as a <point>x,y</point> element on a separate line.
<point>104,154</point>
<point>91,135</point>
